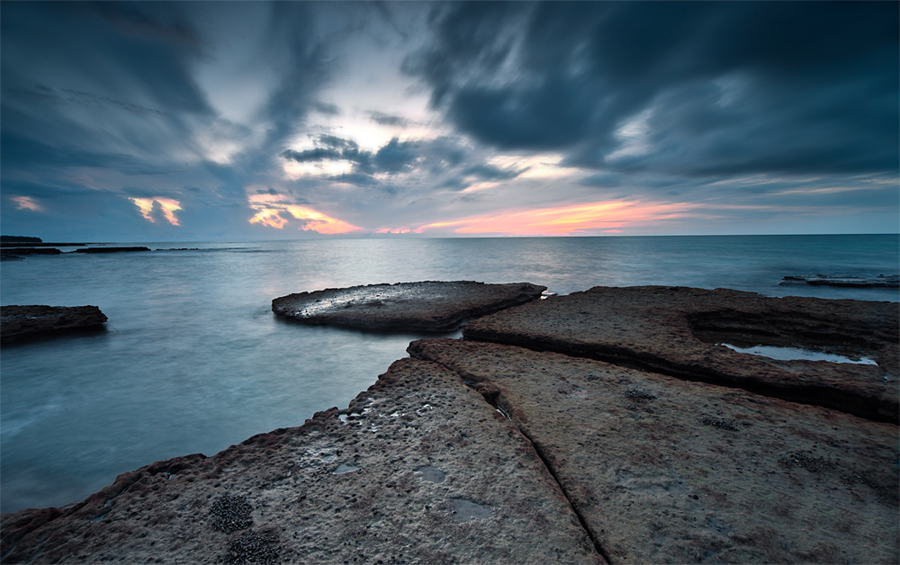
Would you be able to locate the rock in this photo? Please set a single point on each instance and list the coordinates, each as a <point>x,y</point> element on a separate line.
<point>110,249</point>
<point>663,470</point>
<point>20,323</point>
<point>419,469</point>
<point>675,331</point>
<point>418,306</point>
<point>890,281</point>
<point>19,251</point>
<point>19,240</point>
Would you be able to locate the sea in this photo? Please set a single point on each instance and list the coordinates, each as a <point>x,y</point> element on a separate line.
<point>193,360</point>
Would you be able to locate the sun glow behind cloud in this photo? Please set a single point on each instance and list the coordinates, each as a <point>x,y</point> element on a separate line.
<point>168,205</point>
<point>578,219</point>
<point>26,203</point>
<point>271,209</point>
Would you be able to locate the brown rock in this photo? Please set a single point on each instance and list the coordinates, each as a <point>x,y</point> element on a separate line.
<point>419,306</point>
<point>674,331</point>
<point>419,469</point>
<point>667,471</point>
<point>21,323</point>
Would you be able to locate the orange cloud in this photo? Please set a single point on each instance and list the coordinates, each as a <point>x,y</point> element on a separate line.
<point>27,203</point>
<point>270,210</point>
<point>577,219</point>
<point>168,205</point>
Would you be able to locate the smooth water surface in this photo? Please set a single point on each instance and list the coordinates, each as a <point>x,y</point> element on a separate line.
<point>797,354</point>
<point>193,359</point>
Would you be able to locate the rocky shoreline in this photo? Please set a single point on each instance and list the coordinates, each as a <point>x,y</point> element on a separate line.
<point>604,426</point>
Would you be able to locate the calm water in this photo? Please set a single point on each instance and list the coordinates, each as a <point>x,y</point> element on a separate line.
<point>193,359</point>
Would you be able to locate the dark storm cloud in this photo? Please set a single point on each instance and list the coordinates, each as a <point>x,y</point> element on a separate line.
<point>91,91</point>
<point>58,104</point>
<point>302,65</point>
<point>312,155</point>
<point>395,156</point>
<point>688,88</point>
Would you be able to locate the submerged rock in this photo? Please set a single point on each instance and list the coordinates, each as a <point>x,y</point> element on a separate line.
<point>419,469</point>
<point>677,331</point>
<point>21,323</point>
<point>663,470</point>
<point>420,306</point>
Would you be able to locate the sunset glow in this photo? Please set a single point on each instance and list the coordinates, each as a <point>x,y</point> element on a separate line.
<point>167,205</point>
<point>27,203</point>
<point>578,219</point>
<point>271,210</point>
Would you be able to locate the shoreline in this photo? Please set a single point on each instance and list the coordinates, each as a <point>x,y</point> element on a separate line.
<point>408,450</point>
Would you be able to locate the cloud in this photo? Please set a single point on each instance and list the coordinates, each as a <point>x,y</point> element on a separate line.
<point>27,203</point>
<point>311,155</point>
<point>603,180</point>
<point>277,211</point>
<point>673,87</point>
<point>153,209</point>
<point>393,157</point>
<point>388,120</point>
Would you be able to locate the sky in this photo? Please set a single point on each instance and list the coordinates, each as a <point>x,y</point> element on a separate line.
<point>169,121</point>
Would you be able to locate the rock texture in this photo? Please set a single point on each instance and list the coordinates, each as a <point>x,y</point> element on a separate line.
<point>21,323</point>
<point>419,469</point>
<point>668,471</point>
<point>675,330</point>
<point>421,306</point>
<point>477,452</point>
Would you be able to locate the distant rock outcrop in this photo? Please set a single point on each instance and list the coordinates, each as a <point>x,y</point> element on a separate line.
<point>21,323</point>
<point>110,249</point>
<point>888,281</point>
<point>19,239</point>
<point>419,306</point>
<point>19,251</point>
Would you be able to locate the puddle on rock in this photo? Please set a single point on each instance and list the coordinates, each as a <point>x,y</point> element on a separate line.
<point>465,510</point>
<point>431,474</point>
<point>797,354</point>
<point>342,468</point>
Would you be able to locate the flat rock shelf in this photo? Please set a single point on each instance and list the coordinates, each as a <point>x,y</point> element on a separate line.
<point>495,449</point>
<point>676,331</point>
<point>24,323</point>
<point>423,306</point>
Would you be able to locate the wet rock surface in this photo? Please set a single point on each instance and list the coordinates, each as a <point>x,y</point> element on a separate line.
<point>663,470</point>
<point>424,306</point>
<point>418,469</point>
<point>675,331</point>
<point>23,323</point>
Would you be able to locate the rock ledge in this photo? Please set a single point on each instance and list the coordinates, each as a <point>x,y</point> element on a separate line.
<point>417,306</point>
